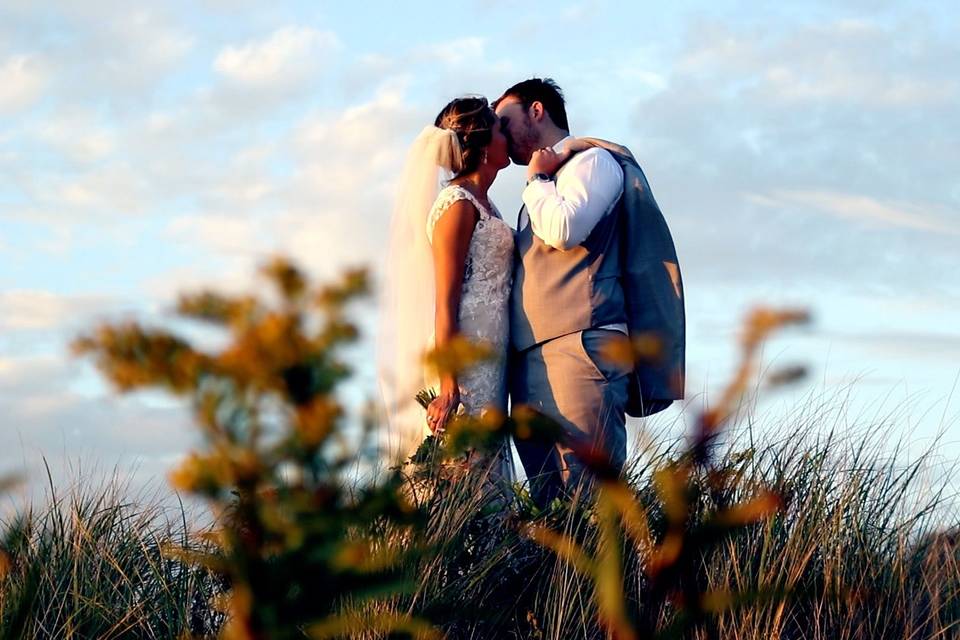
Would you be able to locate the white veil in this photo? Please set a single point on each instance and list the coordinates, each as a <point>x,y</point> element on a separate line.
<point>407,297</point>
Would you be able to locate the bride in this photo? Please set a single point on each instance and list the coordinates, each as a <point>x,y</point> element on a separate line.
<point>448,274</point>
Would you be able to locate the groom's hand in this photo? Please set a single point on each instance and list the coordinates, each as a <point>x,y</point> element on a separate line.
<point>547,161</point>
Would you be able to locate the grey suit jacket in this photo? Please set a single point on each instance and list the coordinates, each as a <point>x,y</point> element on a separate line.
<point>652,289</point>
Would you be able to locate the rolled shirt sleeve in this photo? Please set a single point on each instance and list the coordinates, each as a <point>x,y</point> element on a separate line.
<point>564,212</point>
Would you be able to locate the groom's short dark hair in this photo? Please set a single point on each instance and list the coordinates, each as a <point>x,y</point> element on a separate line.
<point>542,90</point>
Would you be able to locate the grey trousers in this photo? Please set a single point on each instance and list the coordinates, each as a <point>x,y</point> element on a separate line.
<point>568,380</point>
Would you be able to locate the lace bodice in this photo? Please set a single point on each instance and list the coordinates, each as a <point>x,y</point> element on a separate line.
<point>484,299</point>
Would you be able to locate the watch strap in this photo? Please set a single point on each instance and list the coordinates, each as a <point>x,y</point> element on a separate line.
<point>539,177</point>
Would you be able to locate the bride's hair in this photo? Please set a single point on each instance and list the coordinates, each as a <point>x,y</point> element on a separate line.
<point>472,119</point>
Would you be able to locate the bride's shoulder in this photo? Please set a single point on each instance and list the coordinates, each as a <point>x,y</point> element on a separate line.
<point>450,194</point>
<point>447,197</point>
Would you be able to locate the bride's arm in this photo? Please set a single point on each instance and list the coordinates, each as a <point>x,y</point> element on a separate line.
<point>451,241</point>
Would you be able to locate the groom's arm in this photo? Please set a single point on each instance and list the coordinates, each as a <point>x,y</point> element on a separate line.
<point>564,212</point>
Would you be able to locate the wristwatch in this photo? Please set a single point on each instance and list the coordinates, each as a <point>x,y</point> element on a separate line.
<point>540,177</point>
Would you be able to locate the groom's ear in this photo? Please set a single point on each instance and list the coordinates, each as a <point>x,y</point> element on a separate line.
<point>536,111</point>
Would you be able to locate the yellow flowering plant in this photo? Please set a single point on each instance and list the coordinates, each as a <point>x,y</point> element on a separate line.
<point>279,455</point>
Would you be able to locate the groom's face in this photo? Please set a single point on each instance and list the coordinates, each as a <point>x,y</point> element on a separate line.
<point>522,134</point>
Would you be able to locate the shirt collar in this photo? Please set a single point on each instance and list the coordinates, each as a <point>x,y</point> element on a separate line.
<point>559,146</point>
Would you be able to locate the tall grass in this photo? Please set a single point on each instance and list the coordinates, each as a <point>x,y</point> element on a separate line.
<point>806,536</point>
<point>91,563</point>
<point>864,547</point>
<point>850,554</point>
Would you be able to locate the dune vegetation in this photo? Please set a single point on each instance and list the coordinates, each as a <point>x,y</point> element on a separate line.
<point>815,533</point>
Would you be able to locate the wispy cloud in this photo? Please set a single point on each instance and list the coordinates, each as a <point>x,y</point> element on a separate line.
<point>756,130</point>
<point>286,56</point>
<point>451,53</point>
<point>862,208</point>
<point>49,423</point>
<point>219,233</point>
<point>906,345</point>
<point>34,310</point>
<point>78,134</point>
<point>841,61</point>
<point>22,80</point>
<point>149,154</point>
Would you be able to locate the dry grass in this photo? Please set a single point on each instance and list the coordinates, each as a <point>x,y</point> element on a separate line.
<point>91,564</point>
<point>807,536</point>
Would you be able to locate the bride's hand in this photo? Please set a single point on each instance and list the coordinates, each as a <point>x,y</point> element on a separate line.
<point>441,408</point>
<point>547,161</point>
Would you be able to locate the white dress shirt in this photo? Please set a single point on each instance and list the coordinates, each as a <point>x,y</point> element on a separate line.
<point>564,211</point>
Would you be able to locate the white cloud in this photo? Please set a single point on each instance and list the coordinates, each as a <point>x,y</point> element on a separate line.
<point>852,85</point>
<point>78,135</point>
<point>906,345</point>
<point>584,11</point>
<point>70,432</point>
<point>329,238</point>
<point>231,274</point>
<point>221,233</point>
<point>118,55</point>
<point>452,53</point>
<point>860,207</point>
<point>156,42</point>
<point>287,56</point>
<point>852,62</point>
<point>338,202</point>
<point>292,142</point>
<point>116,189</point>
<point>365,142</point>
<point>248,180</point>
<point>34,310</point>
<point>441,70</point>
<point>15,373</point>
<point>22,81</point>
<point>331,210</point>
<point>740,157</point>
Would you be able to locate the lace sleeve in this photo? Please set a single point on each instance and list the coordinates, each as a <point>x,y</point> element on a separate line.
<point>447,197</point>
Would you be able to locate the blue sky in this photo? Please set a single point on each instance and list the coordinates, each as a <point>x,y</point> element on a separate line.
<point>803,154</point>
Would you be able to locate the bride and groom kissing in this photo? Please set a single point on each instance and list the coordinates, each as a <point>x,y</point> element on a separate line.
<point>590,263</point>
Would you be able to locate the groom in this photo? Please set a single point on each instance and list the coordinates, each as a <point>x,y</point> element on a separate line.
<point>567,304</point>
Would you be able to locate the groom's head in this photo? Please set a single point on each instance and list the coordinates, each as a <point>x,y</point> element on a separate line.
<point>533,115</point>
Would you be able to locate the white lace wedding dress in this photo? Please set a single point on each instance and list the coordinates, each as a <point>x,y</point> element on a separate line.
<point>484,313</point>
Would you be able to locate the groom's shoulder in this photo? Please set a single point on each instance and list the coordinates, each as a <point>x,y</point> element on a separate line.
<point>607,149</point>
<point>595,156</point>
<point>597,159</point>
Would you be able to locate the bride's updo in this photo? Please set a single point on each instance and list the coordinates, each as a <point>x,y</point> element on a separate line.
<point>472,120</point>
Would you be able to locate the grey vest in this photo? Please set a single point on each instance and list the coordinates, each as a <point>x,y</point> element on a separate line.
<point>626,271</point>
<point>558,292</point>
